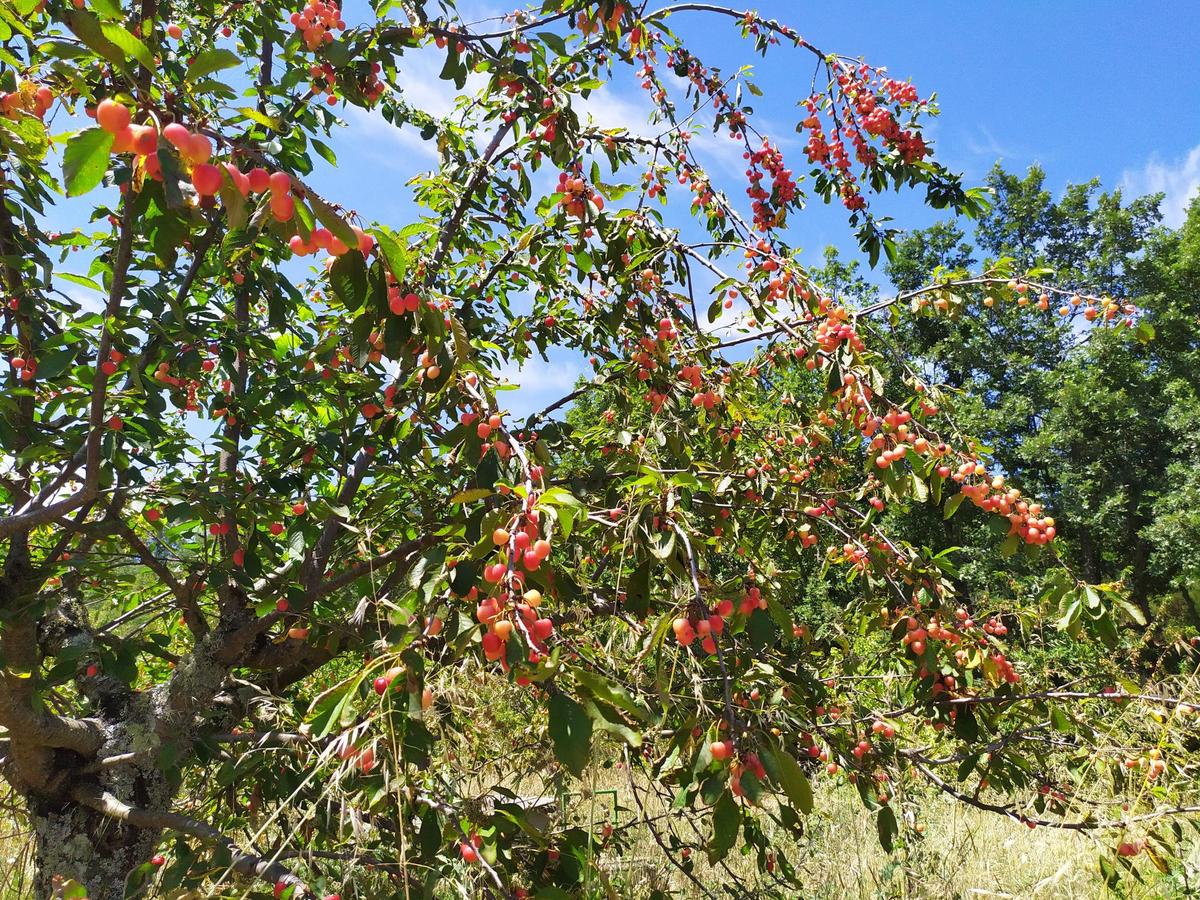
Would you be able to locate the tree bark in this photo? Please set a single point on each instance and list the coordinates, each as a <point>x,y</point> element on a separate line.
<point>73,842</point>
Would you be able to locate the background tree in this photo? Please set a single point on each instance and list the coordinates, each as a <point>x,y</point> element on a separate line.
<point>259,519</point>
<point>1094,423</point>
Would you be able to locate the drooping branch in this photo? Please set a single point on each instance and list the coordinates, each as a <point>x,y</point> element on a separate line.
<point>244,863</point>
<point>1025,819</point>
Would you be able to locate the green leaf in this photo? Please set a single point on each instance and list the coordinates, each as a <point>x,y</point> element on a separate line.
<point>132,47</point>
<point>612,693</point>
<point>965,724</point>
<point>793,781</point>
<point>86,160</point>
<point>53,364</point>
<point>662,544</point>
<point>80,280</point>
<point>331,707</point>
<point>725,818</point>
<point>28,131</point>
<point>348,278</point>
<point>393,253</point>
<point>637,591</point>
<point>261,118</point>
<point>88,29</point>
<point>571,733</point>
<point>1009,545</point>
<point>212,61</point>
<point>109,9</point>
<point>329,217</point>
<point>1132,610</point>
<point>608,719</point>
<point>886,825</point>
<point>470,495</point>
<point>952,505</point>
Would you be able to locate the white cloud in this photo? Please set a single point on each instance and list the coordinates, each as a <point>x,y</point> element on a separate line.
<point>610,108</point>
<point>418,77</point>
<point>1178,180</point>
<point>89,301</point>
<point>541,383</point>
<point>392,146</point>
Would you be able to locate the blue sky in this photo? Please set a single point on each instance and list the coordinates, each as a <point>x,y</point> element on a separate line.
<point>1085,88</point>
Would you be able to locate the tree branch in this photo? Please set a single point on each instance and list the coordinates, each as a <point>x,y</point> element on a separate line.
<point>244,863</point>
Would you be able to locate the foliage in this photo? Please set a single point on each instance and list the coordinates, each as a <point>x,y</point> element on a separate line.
<point>260,518</point>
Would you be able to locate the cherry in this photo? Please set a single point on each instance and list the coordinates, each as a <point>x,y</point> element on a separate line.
<point>206,178</point>
<point>113,117</point>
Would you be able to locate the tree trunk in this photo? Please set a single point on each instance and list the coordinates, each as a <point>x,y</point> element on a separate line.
<point>73,842</point>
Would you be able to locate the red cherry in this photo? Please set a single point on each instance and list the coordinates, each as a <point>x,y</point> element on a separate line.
<point>260,179</point>
<point>206,179</point>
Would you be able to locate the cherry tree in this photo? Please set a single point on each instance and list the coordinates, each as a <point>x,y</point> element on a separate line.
<point>265,502</point>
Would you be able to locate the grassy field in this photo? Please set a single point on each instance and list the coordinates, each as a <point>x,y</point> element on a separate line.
<point>962,854</point>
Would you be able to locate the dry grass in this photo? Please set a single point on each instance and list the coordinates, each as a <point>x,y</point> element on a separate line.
<point>962,853</point>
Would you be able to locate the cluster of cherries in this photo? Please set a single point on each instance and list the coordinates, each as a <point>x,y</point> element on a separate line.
<point>317,21</point>
<point>576,195</point>
<point>323,239</point>
<point>324,81</point>
<point>767,204</point>
<point>590,24</point>
<point>35,99</point>
<point>25,367</point>
<point>991,495</point>
<point>513,607</point>
<point>706,628</point>
<point>869,103</point>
